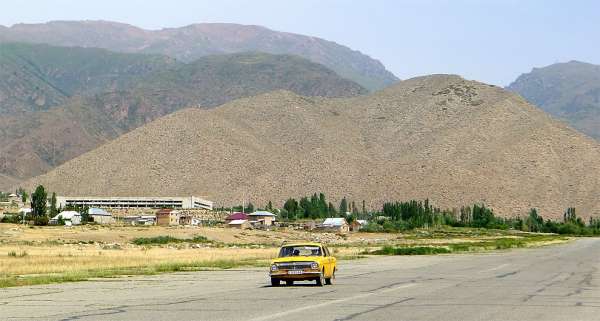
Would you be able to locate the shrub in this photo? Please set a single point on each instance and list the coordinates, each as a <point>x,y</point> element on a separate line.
<point>41,220</point>
<point>166,239</point>
<point>15,254</point>
<point>417,250</point>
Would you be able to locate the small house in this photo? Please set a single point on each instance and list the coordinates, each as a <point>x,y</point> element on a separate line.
<point>185,219</point>
<point>14,198</point>
<point>100,216</point>
<point>167,217</point>
<point>139,219</point>
<point>356,225</point>
<point>239,224</point>
<point>336,224</point>
<point>69,217</point>
<point>236,216</point>
<point>263,218</point>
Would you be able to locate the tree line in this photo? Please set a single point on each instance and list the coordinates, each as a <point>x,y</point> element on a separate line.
<point>397,216</point>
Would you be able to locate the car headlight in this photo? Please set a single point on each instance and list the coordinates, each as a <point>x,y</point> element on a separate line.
<point>274,267</point>
<point>314,265</point>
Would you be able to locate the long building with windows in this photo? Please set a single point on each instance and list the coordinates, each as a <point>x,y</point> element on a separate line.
<point>134,202</point>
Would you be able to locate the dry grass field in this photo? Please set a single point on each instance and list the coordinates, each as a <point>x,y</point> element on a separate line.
<point>40,255</point>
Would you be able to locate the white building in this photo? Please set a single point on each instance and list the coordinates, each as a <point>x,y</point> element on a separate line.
<point>338,224</point>
<point>70,218</point>
<point>134,202</point>
<point>100,216</point>
<point>261,218</point>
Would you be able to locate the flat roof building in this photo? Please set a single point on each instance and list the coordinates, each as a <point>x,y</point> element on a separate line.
<point>134,202</point>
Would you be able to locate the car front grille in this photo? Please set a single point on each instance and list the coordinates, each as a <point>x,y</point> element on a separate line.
<point>294,265</point>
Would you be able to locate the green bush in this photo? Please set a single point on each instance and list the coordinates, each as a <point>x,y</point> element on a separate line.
<point>41,220</point>
<point>15,254</point>
<point>417,250</point>
<point>166,239</point>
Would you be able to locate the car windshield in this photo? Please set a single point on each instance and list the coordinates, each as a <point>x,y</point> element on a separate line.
<point>300,250</point>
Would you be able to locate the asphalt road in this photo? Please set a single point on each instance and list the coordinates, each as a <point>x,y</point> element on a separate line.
<point>559,282</point>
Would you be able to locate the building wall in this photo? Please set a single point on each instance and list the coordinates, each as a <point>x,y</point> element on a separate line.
<point>103,219</point>
<point>163,219</point>
<point>135,202</point>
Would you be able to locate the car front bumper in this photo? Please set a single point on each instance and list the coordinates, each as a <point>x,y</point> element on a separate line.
<point>295,274</point>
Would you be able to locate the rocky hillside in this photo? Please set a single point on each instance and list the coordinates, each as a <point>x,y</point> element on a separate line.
<point>56,110</point>
<point>569,91</point>
<point>38,77</point>
<point>439,137</point>
<point>192,42</point>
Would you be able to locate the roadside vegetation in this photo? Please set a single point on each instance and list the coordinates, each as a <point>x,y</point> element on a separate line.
<point>39,255</point>
<point>505,242</point>
<point>166,239</point>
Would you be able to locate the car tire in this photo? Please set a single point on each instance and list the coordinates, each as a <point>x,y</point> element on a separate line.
<point>275,282</point>
<point>289,282</point>
<point>321,279</point>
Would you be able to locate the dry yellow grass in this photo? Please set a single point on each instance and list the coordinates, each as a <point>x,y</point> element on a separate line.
<point>68,259</point>
<point>124,234</point>
<point>55,254</point>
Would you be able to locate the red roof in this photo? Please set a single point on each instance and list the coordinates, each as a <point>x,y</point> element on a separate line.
<point>237,216</point>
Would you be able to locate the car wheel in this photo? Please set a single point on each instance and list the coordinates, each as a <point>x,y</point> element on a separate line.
<point>321,279</point>
<point>274,282</point>
<point>329,281</point>
<point>289,282</point>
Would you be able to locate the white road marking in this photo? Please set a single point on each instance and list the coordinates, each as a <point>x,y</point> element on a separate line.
<point>326,303</point>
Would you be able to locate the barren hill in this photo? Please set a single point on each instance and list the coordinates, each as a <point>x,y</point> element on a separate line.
<point>55,109</point>
<point>439,137</point>
<point>569,91</point>
<point>194,41</point>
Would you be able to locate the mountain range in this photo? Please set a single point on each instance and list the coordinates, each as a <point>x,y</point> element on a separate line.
<point>198,40</point>
<point>440,137</point>
<point>58,102</point>
<point>569,91</point>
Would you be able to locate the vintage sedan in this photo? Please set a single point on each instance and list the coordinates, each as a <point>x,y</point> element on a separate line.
<point>303,262</point>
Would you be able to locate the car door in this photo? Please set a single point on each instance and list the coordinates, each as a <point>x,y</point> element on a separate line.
<point>332,262</point>
<point>328,262</point>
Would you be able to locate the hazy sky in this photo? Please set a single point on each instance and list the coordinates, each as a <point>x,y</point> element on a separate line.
<point>492,41</point>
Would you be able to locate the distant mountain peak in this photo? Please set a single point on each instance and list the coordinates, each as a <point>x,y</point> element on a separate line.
<point>191,42</point>
<point>568,90</point>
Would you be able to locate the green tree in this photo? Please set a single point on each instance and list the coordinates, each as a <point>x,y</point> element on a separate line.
<point>534,222</point>
<point>24,197</point>
<point>291,207</point>
<point>343,206</point>
<point>53,208</point>
<point>38,205</point>
<point>305,206</point>
<point>331,212</point>
<point>323,208</point>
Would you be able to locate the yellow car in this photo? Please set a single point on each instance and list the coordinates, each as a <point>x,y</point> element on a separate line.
<point>303,262</point>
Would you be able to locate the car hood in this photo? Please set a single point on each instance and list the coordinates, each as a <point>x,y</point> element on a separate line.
<point>297,259</point>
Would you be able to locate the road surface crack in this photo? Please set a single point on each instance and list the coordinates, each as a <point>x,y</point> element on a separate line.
<point>385,306</point>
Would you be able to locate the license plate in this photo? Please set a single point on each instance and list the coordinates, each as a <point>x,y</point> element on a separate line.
<point>295,272</point>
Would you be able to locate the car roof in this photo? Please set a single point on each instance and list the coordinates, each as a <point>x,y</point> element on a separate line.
<point>303,244</point>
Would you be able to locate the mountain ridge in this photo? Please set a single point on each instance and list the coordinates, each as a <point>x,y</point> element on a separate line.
<point>34,137</point>
<point>441,137</point>
<point>193,41</point>
<point>569,91</point>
